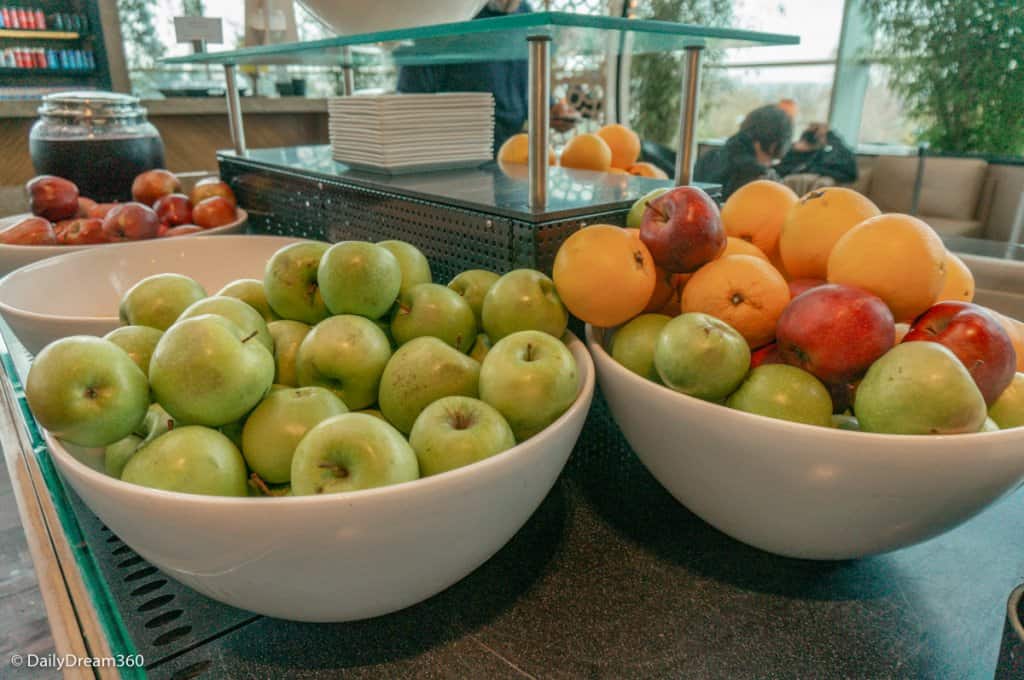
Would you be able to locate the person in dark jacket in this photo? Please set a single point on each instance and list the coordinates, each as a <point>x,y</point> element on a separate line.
<point>764,136</point>
<point>507,80</point>
<point>819,151</point>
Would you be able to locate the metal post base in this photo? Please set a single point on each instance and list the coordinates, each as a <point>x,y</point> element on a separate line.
<point>539,119</point>
<point>688,116</point>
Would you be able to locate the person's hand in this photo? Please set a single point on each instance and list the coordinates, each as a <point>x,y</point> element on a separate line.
<point>563,116</point>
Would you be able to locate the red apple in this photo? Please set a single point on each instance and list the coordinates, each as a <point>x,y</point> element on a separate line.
<point>211,186</point>
<point>683,230</point>
<point>54,198</point>
<point>797,286</point>
<point>100,210</point>
<point>31,231</point>
<point>81,231</point>
<point>975,337</point>
<point>131,222</point>
<point>153,185</point>
<point>215,211</point>
<point>769,354</point>
<point>173,209</point>
<point>84,206</point>
<point>181,230</point>
<point>835,332</point>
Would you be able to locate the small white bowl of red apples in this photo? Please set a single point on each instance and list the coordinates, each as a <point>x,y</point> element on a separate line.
<point>61,220</point>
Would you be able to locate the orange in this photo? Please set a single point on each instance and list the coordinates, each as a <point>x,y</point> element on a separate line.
<point>516,150</point>
<point>756,211</point>
<point>813,226</point>
<point>959,283</point>
<point>897,257</point>
<point>646,170</point>
<point>673,306</point>
<point>604,275</point>
<point>666,286</point>
<point>624,143</point>
<point>744,291</point>
<point>587,152</point>
<point>737,246</point>
<point>617,171</point>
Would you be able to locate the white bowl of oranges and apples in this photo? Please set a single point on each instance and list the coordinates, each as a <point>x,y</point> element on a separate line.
<point>856,404</point>
<point>335,440</point>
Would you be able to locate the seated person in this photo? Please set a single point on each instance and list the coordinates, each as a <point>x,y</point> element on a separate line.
<point>764,136</point>
<point>507,80</point>
<point>819,158</point>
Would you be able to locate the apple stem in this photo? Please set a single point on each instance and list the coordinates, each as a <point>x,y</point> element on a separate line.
<point>338,470</point>
<point>529,351</point>
<point>90,393</point>
<point>460,420</point>
<point>170,424</point>
<point>250,337</point>
<point>661,215</point>
<point>257,483</point>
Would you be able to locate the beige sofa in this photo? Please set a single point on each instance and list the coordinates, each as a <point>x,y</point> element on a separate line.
<point>955,196</point>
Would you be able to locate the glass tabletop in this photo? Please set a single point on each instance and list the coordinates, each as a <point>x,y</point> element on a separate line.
<point>493,39</point>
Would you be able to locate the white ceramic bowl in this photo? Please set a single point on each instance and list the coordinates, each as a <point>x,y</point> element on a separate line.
<point>12,257</point>
<point>79,293</point>
<point>336,557</point>
<point>353,17</point>
<point>805,491</point>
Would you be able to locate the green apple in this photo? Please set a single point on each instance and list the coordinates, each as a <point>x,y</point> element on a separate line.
<point>633,344</point>
<point>1008,410</point>
<point>457,431</point>
<point>138,341</point>
<point>207,371</point>
<point>250,291</point>
<point>430,309</point>
<point>290,282</point>
<point>415,267</point>
<point>919,388</point>
<point>359,278</point>
<point>784,392</point>
<point>989,426</point>
<point>844,421</point>
<point>275,427</point>
<point>233,430</point>
<point>117,455</point>
<point>523,299</point>
<point>481,347</point>
<point>347,355</point>
<point>156,423</point>
<point>235,311</point>
<point>158,300</point>
<point>531,378</point>
<point>636,213</point>
<point>702,356</point>
<point>473,285</point>
<point>288,336</point>
<point>422,371</point>
<point>87,391</point>
<point>190,459</point>
<point>351,452</point>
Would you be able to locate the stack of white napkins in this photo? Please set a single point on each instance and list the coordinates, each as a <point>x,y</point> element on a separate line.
<point>398,133</point>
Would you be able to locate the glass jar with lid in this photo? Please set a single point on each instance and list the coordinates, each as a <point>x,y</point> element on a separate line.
<point>98,140</point>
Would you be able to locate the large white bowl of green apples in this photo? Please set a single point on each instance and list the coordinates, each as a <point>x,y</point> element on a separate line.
<point>335,439</point>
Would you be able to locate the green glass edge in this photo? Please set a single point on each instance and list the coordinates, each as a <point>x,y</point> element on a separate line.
<point>110,618</point>
<point>543,21</point>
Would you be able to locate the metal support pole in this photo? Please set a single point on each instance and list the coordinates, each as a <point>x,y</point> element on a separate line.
<point>234,110</point>
<point>347,73</point>
<point>915,198</point>
<point>688,116</point>
<point>539,118</point>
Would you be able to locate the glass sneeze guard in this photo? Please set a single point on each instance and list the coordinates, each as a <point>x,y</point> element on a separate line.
<point>494,39</point>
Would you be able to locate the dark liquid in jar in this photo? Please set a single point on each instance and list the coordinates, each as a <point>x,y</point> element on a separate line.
<point>103,169</point>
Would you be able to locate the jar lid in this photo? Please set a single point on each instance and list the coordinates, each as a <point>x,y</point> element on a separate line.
<point>91,106</point>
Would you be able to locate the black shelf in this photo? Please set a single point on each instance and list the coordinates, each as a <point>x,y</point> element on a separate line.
<point>46,71</point>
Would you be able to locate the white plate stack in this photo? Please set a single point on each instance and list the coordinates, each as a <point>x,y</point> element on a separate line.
<point>400,133</point>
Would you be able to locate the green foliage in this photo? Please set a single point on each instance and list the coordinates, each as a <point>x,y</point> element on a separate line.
<point>656,82</point>
<point>959,67</point>
<point>138,30</point>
